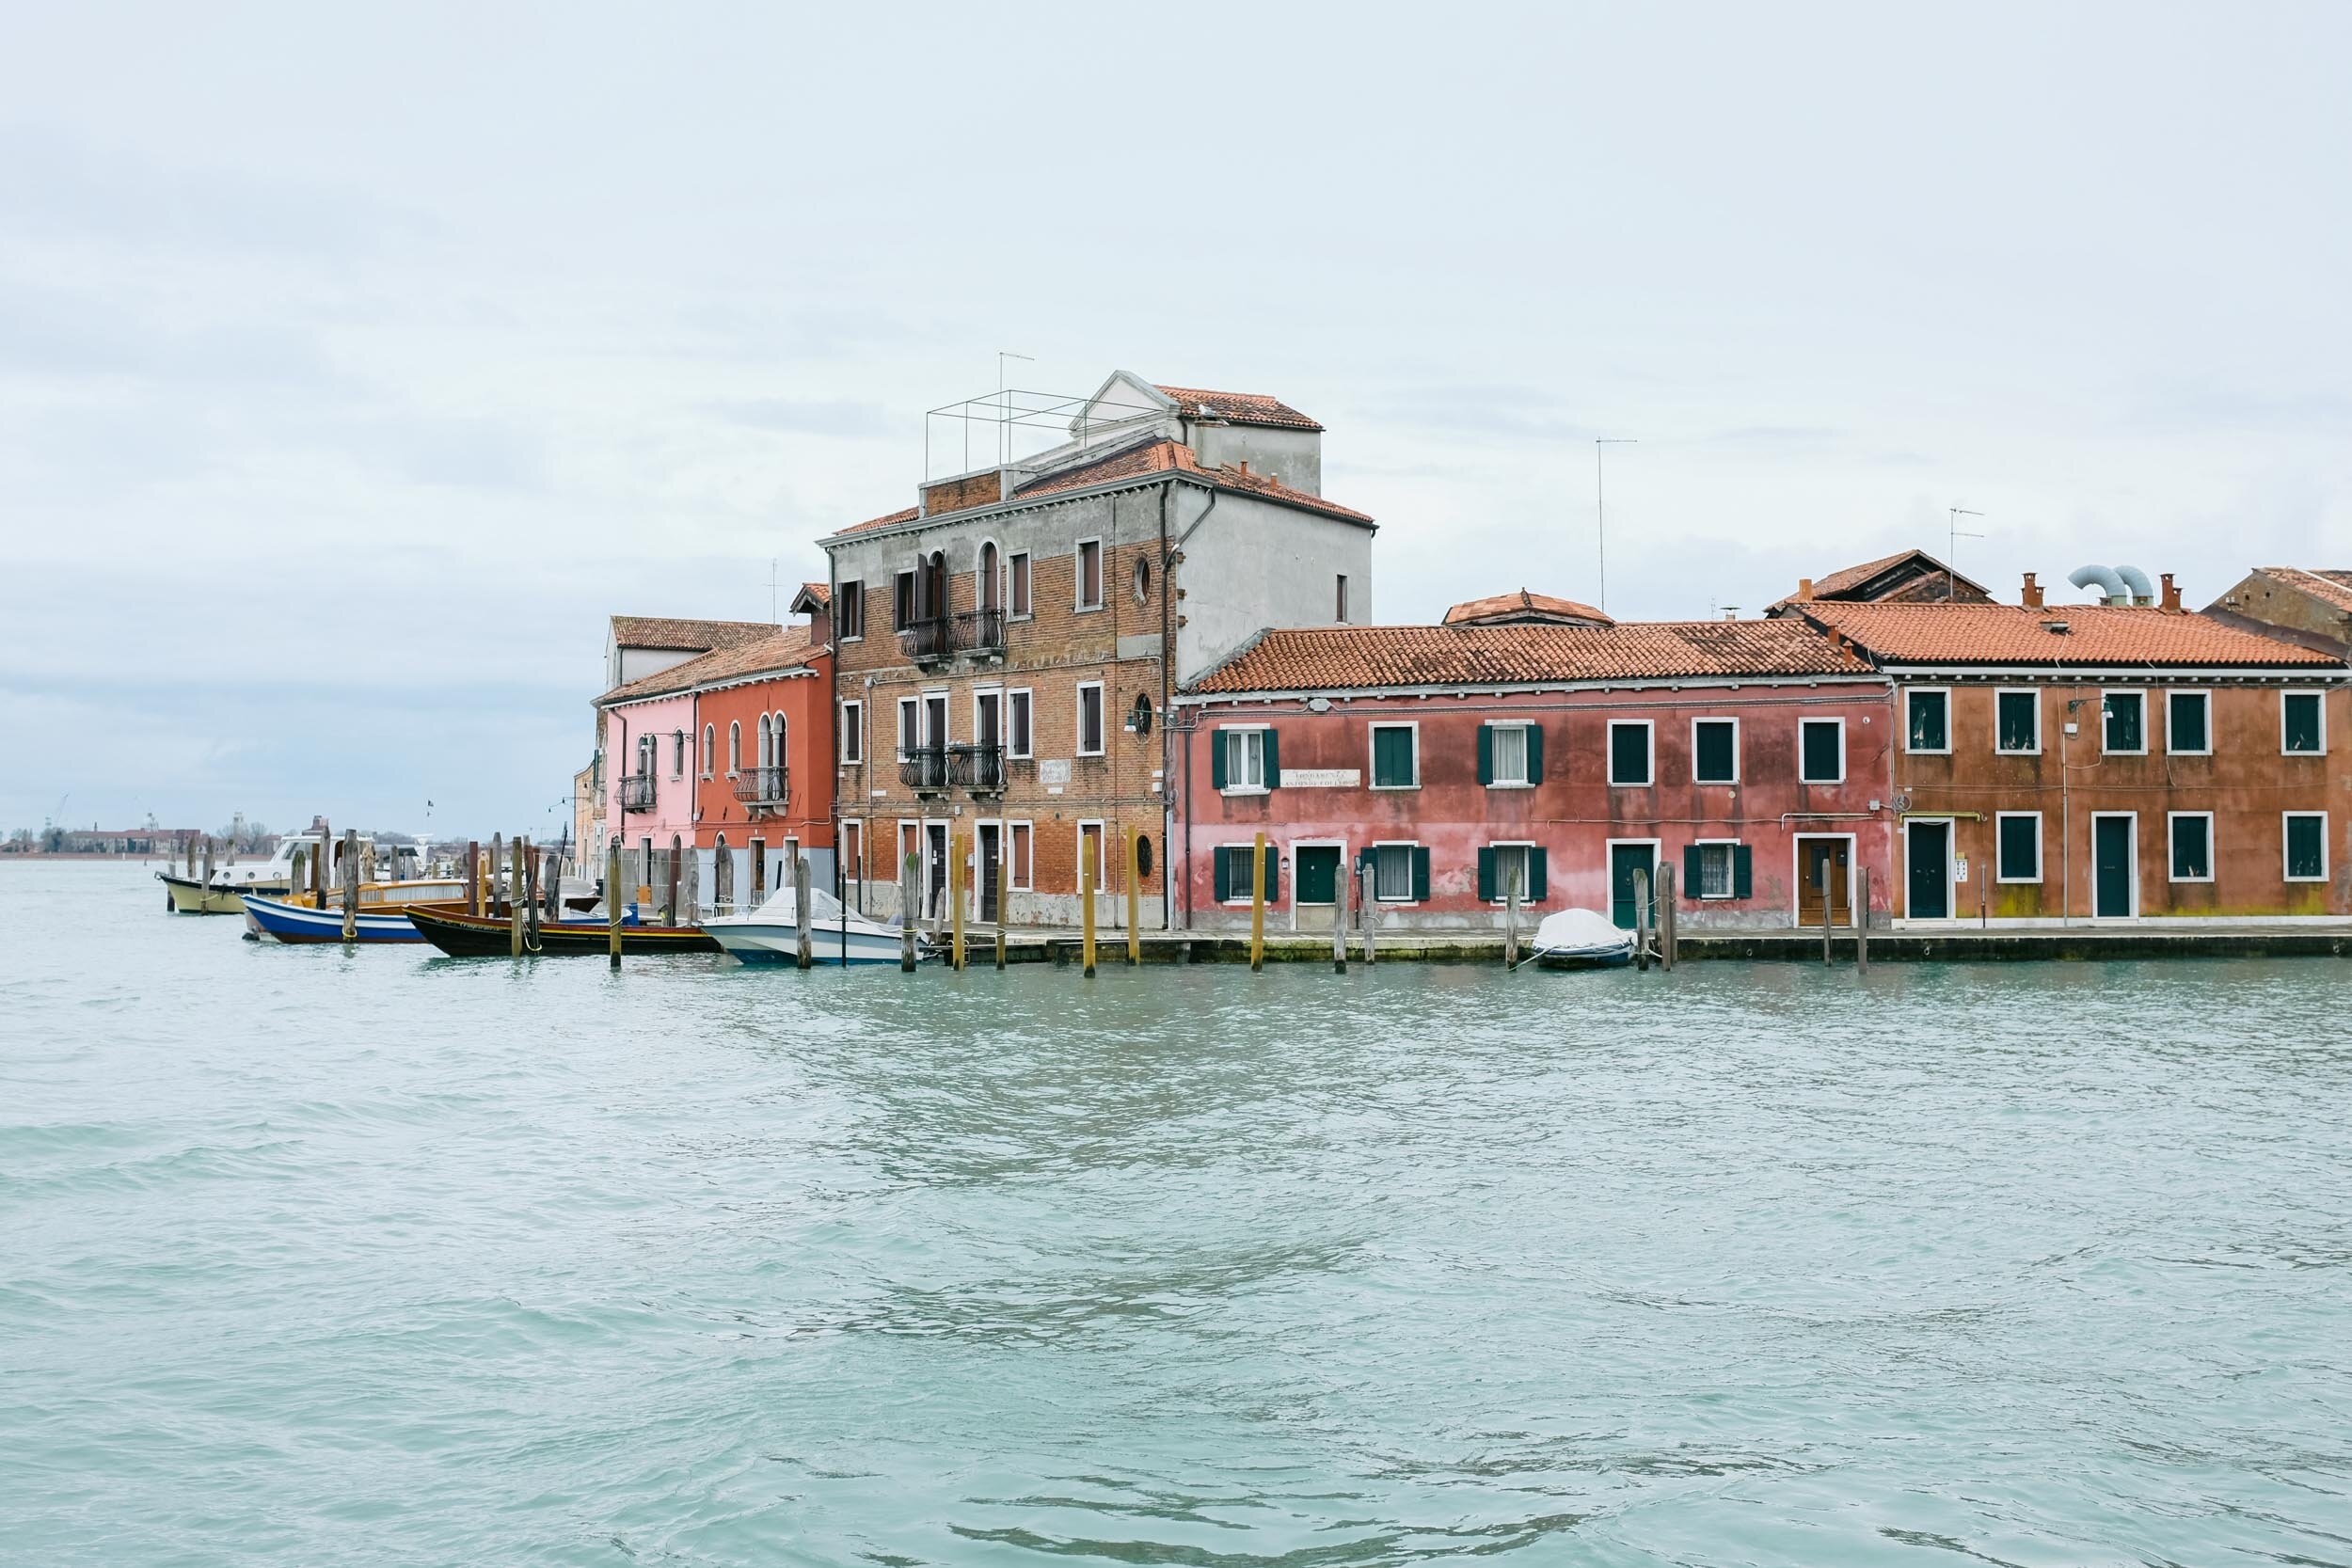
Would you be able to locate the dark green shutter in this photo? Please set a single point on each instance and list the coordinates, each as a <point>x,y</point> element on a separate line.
<point>1273,760</point>
<point>1223,863</point>
<point>1742,872</point>
<point>1421,875</point>
<point>1538,877</point>
<point>1486,753</point>
<point>1273,873</point>
<point>2301,721</point>
<point>1691,858</point>
<point>1486,892</point>
<point>1534,754</point>
<point>1216,759</point>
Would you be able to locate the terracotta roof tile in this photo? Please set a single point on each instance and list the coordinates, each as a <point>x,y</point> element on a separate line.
<point>1522,607</point>
<point>1345,659</point>
<point>886,520</point>
<point>2328,587</point>
<point>820,593</point>
<point>1240,407</point>
<point>1163,456</point>
<point>1846,581</point>
<point>783,648</point>
<point>662,631</point>
<point>2102,635</point>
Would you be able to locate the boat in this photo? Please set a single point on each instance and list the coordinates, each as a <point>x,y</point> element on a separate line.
<point>462,935</point>
<point>771,934</point>
<point>219,892</point>
<point>1580,938</point>
<point>383,913</point>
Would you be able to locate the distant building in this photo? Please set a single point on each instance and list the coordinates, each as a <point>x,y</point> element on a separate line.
<point>1907,577</point>
<point>1524,609</point>
<point>2312,609</point>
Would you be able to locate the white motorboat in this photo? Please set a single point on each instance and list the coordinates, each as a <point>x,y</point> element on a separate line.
<point>1580,938</point>
<point>770,933</point>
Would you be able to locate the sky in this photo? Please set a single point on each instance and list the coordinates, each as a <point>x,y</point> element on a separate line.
<point>357,363</point>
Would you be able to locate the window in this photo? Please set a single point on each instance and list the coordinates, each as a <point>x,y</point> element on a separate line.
<point>1395,757</point>
<point>853,731</point>
<point>987,583</point>
<point>1241,753</point>
<point>1090,718</point>
<point>1501,864</point>
<point>1017,841</point>
<point>781,760</point>
<point>2017,847</point>
<point>2124,722</point>
<point>735,748</point>
<point>1400,873</point>
<point>1231,873</point>
<point>1510,756</point>
<point>1017,716</point>
<point>848,611</point>
<point>1017,572</point>
<point>1821,751</point>
<point>2192,846</point>
<point>2188,724</point>
<point>909,727</point>
<point>2307,846</point>
<point>710,748</point>
<point>1715,863</point>
<point>1089,851</point>
<point>1140,715</point>
<point>1339,611</point>
<point>677,755</point>
<point>1714,750</point>
<point>902,601</point>
<point>1143,579</point>
<point>988,715</point>
<point>853,851</point>
<point>2302,724</point>
<point>2017,722</point>
<point>1926,719</point>
<point>1089,573</point>
<point>1629,752</point>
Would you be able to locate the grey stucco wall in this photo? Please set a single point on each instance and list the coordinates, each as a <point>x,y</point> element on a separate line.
<point>1293,456</point>
<point>1255,565</point>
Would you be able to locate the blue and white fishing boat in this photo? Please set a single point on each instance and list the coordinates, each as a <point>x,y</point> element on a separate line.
<point>282,920</point>
<point>770,933</point>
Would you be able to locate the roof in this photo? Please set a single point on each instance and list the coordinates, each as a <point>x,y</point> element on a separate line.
<point>1161,455</point>
<point>659,631</point>
<point>887,519</point>
<point>1522,606</point>
<point>1237,407</point>
<point>2328,587</point>
<point>814,595</point>
<point>783,648</point>
<point>1343,659</point>
<point>1862,582</point>
<point>2102,635</point>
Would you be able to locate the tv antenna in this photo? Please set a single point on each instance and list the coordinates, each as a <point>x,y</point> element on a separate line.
<point>773,562</point>
<point>1004,426</point>
<point>1600,506</point>
<point>1951,549</point>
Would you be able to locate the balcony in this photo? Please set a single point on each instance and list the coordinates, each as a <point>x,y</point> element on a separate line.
<point>764,788</point>
<point>978,631</point>
<point>636,792</point>
<point>977,768</point>
<point>927,642</point>
<point>925,771</point>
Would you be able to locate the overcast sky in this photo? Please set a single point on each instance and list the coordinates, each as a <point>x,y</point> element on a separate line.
<point>351,372</point>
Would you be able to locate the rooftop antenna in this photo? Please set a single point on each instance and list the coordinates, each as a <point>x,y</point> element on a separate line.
<point>1951,549</point>
<point>773,562</point>
<point>1601,505</point>
<point>1004,426</point>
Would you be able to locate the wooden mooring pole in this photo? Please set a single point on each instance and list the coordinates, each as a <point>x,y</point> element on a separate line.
<point>1511,918</point>
<point>1004,886</point>
<point>612,902</point>
<point>1134,900</point>
<point>804,949</point>
<point>1862,920</point>
<point>515,900</point>
<point>1089,852</point>
<point>955,900</point>
<point>474,876</point>
<point>908,870</point>
<point>351,885</point>
<point>1829,911</point>
<point>1257,904</point>
<point>1339,919</point>
<point>530,891</point>
<point>1666,916</point>
<point>1640,919</point>
<point>1369,907</point>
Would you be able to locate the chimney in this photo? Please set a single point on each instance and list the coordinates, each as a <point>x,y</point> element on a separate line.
<point>2033,593</point>
<point>1245,466</point>
<point>2171,594</point>
<point>1804,590</point>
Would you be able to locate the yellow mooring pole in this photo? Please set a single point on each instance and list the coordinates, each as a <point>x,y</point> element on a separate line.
<point>1135,903</point>
<point>955,898</point>
<point>1086,901</point>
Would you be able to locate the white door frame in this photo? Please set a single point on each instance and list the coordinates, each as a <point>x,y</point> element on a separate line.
<point>1291,853</point>
<point>1796,873</point>
<point>1951,868</point>
<point>2133,817</point>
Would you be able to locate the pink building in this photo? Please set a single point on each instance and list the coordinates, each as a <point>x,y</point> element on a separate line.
<point>649,779</point>
<point>1548,743</point>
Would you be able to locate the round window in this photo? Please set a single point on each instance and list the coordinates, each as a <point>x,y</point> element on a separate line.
<point>1143,854</point>
<point>1139,717</point>
<point>1143,579</point>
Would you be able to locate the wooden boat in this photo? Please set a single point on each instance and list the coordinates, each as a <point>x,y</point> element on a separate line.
<point>220,890</point>
<point>1580,938</point>
<point>382,912</point>
<point>451,928</point>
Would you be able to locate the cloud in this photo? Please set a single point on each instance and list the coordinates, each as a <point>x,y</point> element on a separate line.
<point>811,415</point>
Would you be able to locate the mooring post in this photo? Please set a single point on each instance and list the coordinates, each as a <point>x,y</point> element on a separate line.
<point>1342,882</point>
<point>955,900</point>
<point>1829,911</point>
<point>1257,904</point>
<point>318,869</point>
<point>531,889</point>
<point>803,948</point>
<point>208,861</point>
<point>474,876</point>
<point>1511,918</point>
<point>1370,906</point>
<point>1641,919</point>
<point>514,898</point>
<point>351,885</point>
<point>1667,916</point>
<point>612,902</point>
<point>907,871</point>
<point>1089,853</point>
<point>1003,885</point>
<point>690,904</point>
<point>294,883</point>
<point>1134,900</point>
<point>187,858</point>
<point>1862,920</point>
<point>671,908</point>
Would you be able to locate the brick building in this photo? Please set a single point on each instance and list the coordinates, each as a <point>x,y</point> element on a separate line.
<point>1007,646</point>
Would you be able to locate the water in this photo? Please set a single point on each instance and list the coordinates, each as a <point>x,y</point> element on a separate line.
<point>372,1258</point>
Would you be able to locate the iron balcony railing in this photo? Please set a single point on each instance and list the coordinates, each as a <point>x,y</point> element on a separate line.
<point>977,767</point>
<point>636,792</point>
<point>925,639</point>
<point>924,769</point>
<point>764,787</point>
<point>979,631</point>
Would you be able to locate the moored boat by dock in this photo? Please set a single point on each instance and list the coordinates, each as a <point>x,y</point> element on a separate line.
<point>770,933</point>
<point>1580,938</point>
<point>462,935</point>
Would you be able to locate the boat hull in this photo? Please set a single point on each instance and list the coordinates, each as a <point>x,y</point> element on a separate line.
<point>194,895</point>
<point>461,935</point>
<point>279,921</point>
<point>1610,959</point>
<point>767,943</point>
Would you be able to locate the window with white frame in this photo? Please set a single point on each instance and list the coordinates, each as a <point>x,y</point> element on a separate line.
<point>1715,751</point>
<point>1630,752</point>
<point>1514,866</point>
<point>1089,573</point>
<point>1233,870</point>
<point>853,850</point>
<point>2017,722</point>
<point>2188,724</point>
<point>2306,833</point>
<point>1392,873</point>
<point>902,600</point>
<point>1717,860</point>
<point>1017,719</point>
<point>677,755</point>
<point>1821,751</point>
<point>909,727</point>
<point>1507,763</point>
<point>1395,757</point>
<point>2123,723</point>
<point>1244,760</point>
<point>1927,719</point>
<point>2017,847</point>
<point>1019,844</point>
<point>710,749</point>
<point>2302,724</point>
<point>735,748</point>
<point>1090,719</point>
<point>1017,585</point>
<point>852,730</point>
<point>1091,852</point>
<point>848,612</point>
<point>2191,835</point>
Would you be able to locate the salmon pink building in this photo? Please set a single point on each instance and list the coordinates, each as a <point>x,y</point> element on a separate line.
<point>1536,739</point>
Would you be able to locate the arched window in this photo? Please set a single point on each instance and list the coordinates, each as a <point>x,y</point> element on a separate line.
<point>1139,717</point>
<point>767,757</point>
<point>735,748</point>
<point>710,748</point>
<point>1143,579</point>
<point>1143,854</point>
<point>782,761</point>
<point>988,576</point>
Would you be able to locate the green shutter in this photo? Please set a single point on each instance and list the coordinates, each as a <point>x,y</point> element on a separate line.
<point>1216,759</point>
<point>1273,873</point>
<point>2300,710</point>
<point>1742,872</point>
<point>1421,875</point>
<point>1223,864</point>
<point>1488,892</point>
<point>1534,754</point>
<point>1485,755</point>
<point>1538,877</point>
<point>1273,760</point>
<point>1691,858</point>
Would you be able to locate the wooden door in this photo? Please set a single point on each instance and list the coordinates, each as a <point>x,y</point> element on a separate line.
<point>1812,855</point>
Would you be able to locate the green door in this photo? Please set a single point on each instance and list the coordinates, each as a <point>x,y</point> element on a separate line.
<point>1317,877</point>
<point>1624,861</point>
<point>2113,866</point>
<point>1930,845</point>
